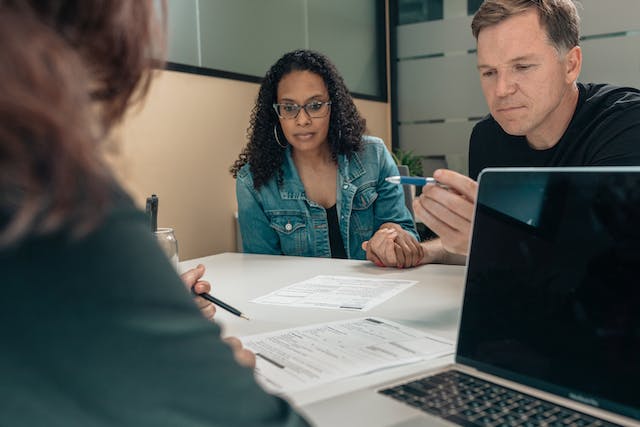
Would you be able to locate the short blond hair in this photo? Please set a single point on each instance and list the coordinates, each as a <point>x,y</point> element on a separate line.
<point>559,18</point>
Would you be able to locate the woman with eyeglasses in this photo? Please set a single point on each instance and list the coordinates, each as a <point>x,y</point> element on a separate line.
<point>309,183</point>
<point>96,327</point>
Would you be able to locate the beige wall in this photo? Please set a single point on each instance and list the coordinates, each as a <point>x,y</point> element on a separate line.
<point>180,145</point>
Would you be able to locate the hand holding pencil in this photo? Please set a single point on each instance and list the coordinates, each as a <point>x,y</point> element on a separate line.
<point>203,299</point>
<point>200,288</point>
<point>191,280</point>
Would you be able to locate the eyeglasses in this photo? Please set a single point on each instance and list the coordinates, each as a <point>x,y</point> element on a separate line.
<point>315,109</point>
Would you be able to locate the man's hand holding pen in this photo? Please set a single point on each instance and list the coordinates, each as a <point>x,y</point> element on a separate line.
<point>446,208</point>
<point>448,211</point>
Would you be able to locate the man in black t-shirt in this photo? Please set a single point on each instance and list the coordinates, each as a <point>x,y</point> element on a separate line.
<point>529,61</point>
<point>604,131</point>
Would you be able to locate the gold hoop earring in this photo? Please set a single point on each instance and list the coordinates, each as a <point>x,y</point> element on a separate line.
<point>275,133</point>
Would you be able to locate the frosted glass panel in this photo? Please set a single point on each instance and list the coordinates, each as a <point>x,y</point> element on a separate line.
<point>243,38</point>
<point>426,38</point>
<point>247,36</point>
<point>440,88</point>
<point>436,138</point>
<point>346,32</point>
<point>600,17</point>
<point>600,54</point>
<point>410,11</point>
<point>182,27</point>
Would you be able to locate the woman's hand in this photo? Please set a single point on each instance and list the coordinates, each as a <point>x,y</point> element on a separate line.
<point>243,356</point>
<point>191,280</point>
<point>392,246</point>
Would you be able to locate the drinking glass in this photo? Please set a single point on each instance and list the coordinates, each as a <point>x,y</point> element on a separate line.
<point>169,244</point>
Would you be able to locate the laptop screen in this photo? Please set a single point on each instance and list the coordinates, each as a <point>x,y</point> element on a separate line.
<point>552,296</point>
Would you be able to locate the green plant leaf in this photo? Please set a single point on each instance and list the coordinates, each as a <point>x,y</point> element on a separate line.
<point>409,159</point>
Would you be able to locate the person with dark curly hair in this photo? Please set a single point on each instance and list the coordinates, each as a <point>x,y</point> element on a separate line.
<point>308,182</point>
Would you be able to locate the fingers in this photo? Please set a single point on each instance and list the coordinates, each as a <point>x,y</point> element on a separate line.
<point>201,287</point>
<point>416,251</point>
<point>462,185</point>
<point>453,239</point>
<point>207,309</point>
<point>190,277</point>
<point>381,248</point>
<point>449,208</point>
<point>448,211</point>
<point>243,356</point>
<point>401,256</point>
<point>392,246</point>
<point>369,254</point>
<point>409,252</point>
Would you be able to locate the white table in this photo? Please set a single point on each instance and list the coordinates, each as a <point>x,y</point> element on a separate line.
<point>431,305</point>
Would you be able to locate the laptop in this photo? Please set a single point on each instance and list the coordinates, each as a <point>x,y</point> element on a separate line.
<point>550,325</point>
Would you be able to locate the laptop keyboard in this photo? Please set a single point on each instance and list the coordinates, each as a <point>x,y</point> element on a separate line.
<point>469,401</point>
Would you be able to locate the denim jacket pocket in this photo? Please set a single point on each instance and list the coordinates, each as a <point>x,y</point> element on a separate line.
<point>362,213</point>
<point>291,227</point>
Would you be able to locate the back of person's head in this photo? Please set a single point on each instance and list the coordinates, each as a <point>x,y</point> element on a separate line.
<point>559,18</point>
<point>346,126</point>
<point>68,72</point>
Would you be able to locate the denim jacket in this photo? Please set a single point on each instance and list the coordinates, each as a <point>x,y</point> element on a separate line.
<point>282,221</point>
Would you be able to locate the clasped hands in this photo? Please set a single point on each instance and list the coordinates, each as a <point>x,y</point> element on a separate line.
<point>447,209</point>
<point>392,246</point>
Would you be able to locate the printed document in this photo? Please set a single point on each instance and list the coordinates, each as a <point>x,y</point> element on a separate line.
<point>300,358</point>
<point>337,292</point>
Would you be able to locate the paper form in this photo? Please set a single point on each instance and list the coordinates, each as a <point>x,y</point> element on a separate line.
<point>336,292</point>
<point>299,358</point>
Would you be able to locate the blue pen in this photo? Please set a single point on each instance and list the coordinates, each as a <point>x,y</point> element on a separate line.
<point>411,180</point>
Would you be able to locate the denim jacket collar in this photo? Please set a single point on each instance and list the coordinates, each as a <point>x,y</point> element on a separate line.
<point>350,168</point>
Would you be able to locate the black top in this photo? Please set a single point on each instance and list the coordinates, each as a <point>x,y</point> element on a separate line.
<point>604,131</point>
<point>335,238</point>
<point>101,332</point>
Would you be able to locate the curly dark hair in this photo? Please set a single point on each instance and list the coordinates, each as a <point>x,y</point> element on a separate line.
<point>263,153</point>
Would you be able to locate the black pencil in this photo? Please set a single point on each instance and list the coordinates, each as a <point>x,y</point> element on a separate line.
<point>221,304</point>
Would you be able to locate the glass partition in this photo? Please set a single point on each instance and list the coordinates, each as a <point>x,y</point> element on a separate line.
<point>241,39</point>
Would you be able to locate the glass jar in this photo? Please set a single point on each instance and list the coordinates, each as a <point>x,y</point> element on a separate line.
<point>169,244</point>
